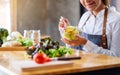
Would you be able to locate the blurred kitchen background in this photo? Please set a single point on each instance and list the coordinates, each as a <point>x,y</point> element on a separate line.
<point>43,15</point>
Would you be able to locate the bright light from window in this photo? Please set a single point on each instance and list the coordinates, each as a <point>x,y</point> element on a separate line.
<point>5,14</point>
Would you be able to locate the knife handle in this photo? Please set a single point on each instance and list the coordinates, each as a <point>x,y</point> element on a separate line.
<point>69,58</point>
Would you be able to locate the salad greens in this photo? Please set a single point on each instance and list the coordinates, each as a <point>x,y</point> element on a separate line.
<point>25,42</point>
<point>50,48</point>
<point>62,51</point>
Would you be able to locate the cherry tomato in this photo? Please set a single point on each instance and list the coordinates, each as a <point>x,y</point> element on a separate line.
<point>41,58</point>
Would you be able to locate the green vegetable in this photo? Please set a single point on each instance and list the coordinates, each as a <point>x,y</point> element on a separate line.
<point>25,42</point>
<point>62,51</point>
<point>50,48</point>
<point>3,35</point>
<point>28,42</point>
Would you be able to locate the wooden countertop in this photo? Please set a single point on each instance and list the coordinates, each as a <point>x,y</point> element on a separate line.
<point>88,62</point>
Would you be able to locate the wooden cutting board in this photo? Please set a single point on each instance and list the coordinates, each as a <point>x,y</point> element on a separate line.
<point>30,65</point>
<point>13,48</point>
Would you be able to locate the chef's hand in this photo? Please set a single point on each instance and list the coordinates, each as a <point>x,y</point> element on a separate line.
<point>63,22</point>
<point>78,41</point>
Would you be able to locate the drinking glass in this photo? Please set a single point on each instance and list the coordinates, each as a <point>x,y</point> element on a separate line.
<point>35,36</point>
<point>27,34</point>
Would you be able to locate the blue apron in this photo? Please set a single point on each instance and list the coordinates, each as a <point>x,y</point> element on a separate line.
<point>96,39</point>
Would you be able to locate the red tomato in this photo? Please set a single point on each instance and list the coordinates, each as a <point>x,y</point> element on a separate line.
<point>48,59</point>
<point>41,58</point>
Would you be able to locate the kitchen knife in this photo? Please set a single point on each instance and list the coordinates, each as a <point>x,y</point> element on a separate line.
<point>66,58</point>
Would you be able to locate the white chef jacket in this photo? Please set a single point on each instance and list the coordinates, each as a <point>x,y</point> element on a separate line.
<point>94,25</point>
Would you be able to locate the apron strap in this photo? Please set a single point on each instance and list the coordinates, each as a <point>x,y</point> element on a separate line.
<point>104,37</point>
<point>85,21</point>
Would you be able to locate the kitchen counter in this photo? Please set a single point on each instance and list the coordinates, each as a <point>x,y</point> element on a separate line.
<point>89,62</point>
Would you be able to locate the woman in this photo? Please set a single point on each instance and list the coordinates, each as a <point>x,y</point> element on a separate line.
<point>100,27</point>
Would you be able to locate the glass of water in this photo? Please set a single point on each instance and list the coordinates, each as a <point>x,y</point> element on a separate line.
<point>27,34</point>
<point>35,36</point>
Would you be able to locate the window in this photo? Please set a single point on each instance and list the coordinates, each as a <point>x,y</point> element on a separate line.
<point>5,14</point>
<point>8,14</point>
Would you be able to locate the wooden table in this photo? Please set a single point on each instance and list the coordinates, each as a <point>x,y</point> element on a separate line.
<point>89,63</point>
